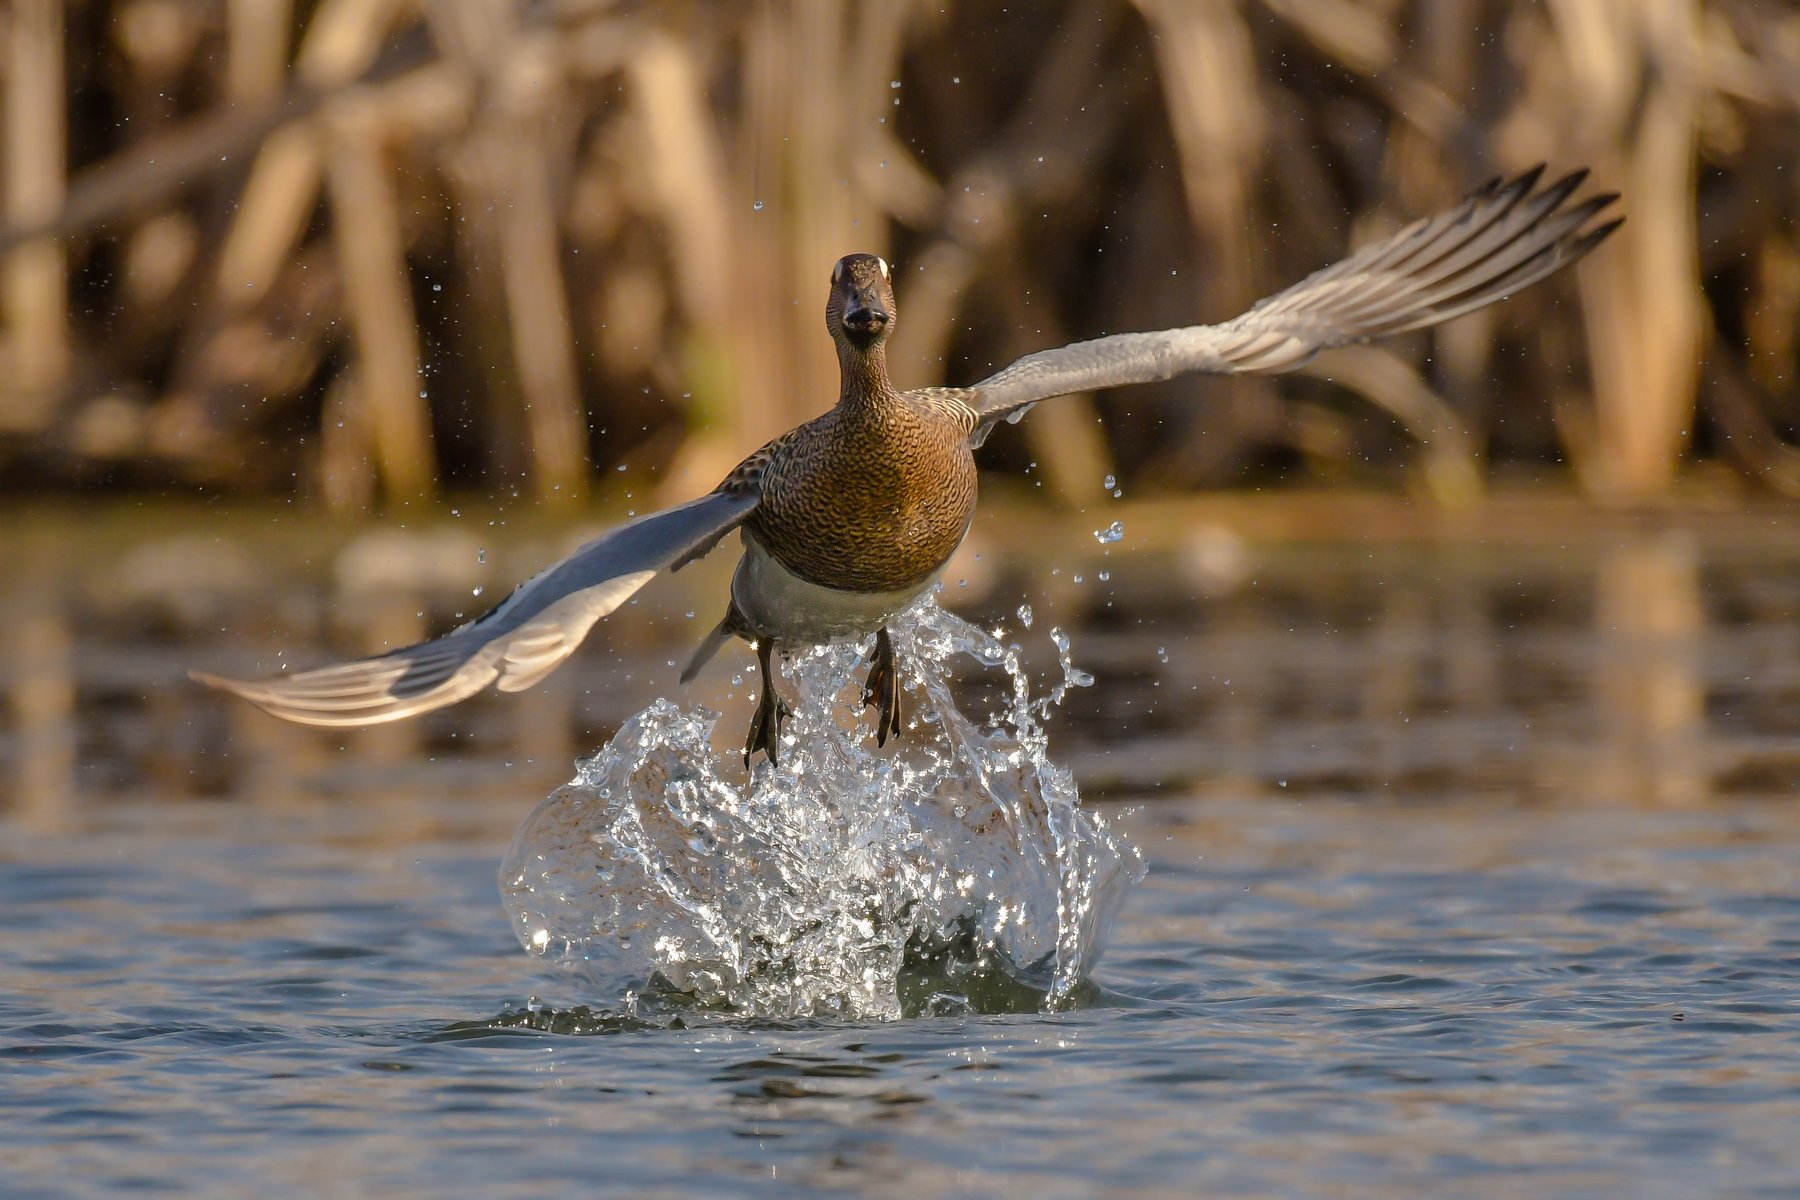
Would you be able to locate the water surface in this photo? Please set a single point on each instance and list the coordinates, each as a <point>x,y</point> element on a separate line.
<point>1472,873</point>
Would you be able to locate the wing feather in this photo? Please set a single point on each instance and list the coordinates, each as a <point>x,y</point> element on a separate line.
<point>1504,237</point>
<point>523,639</point>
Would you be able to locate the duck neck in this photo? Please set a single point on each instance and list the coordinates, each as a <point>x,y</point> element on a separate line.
<point>866,390</point>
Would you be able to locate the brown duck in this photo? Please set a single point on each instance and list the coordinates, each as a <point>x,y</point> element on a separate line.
<point>848,518</point>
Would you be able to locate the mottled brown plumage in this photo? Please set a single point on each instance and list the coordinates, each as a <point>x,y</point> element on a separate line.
<point>847,519</point>
<point>873,496</point>
<point>876,494</point>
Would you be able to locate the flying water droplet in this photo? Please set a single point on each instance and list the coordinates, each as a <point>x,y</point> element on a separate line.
<point>841,879</point>
<point>1112,533</point>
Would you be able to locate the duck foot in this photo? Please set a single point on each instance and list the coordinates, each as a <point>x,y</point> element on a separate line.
<point>883,688</point>
<point>771,711</point>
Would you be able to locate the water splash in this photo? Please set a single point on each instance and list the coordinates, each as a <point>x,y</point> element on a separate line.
<point>957,872</point>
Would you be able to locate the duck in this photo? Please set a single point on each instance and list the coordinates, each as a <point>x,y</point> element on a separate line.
<point>849,518</point>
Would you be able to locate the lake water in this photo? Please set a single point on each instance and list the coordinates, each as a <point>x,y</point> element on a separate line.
<point>1474,871</point>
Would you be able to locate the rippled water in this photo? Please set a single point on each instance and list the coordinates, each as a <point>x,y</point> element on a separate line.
<point>1304,998</point>
<point>1469,875</point>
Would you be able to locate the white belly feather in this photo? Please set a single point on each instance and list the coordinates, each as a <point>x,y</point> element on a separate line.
<point>778,603</point>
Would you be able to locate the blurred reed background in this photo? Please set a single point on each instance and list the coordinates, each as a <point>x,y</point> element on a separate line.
<point>364,251</point>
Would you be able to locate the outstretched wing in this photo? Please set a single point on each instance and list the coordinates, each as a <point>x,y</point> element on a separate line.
<point>1502,238</point>
<point>519,642</point>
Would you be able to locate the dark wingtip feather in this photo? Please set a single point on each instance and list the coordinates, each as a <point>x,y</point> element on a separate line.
<point>1593,237</point>
<point>1526,180</point>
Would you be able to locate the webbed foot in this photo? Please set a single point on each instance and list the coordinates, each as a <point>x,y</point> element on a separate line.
<point>883,688</point>
<point>771,710</point>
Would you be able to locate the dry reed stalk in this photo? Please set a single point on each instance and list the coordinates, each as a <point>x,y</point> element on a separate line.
<point>366,227</point>
<point>1774,315</point>
<point>1207,69</point>
<point>346,481</point>
<point>256,48</point>
<point>1632,64</point>
<point>684,180</point>
<point>1058,127</point>
<point>766,378</point>
<point>1416,83</point>
<point>1390,383</point>
<point>793,214</point>
<point>1366,38</point>
<point>506,154</point>
<point>819,89</point>
<point>543,346</point>
<point>681,284</point>
<point>33,276</point>
<point>277,201</point>
<point>272,214</point>
<point>1208,75</point>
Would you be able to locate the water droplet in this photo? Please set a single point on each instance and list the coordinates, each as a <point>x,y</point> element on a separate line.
<point>1025,615</point>
<point>1112,533</point>
<point>895,84</point>
<point>1109,483</point>
<point>660,804</point>
<point>477,590</point>
<point>757,205</point>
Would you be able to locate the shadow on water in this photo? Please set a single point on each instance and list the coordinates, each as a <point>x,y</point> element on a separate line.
<point>955,978</point>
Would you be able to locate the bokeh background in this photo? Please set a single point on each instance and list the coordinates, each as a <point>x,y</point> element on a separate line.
<point>367,251</point>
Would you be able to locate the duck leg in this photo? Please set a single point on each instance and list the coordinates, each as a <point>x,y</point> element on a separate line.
<point>765,725</point>
<point>883,688</point>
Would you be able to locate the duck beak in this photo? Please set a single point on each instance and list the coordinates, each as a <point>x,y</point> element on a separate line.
<point>865,316</point>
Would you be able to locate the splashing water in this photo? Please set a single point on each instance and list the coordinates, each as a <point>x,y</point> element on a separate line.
<point>958,873</point>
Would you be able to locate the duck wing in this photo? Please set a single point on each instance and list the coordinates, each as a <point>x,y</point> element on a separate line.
<point>1500,239</point>
<point>517,643</point>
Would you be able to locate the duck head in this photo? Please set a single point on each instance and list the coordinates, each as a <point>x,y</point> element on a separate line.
<point>860,312</point>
